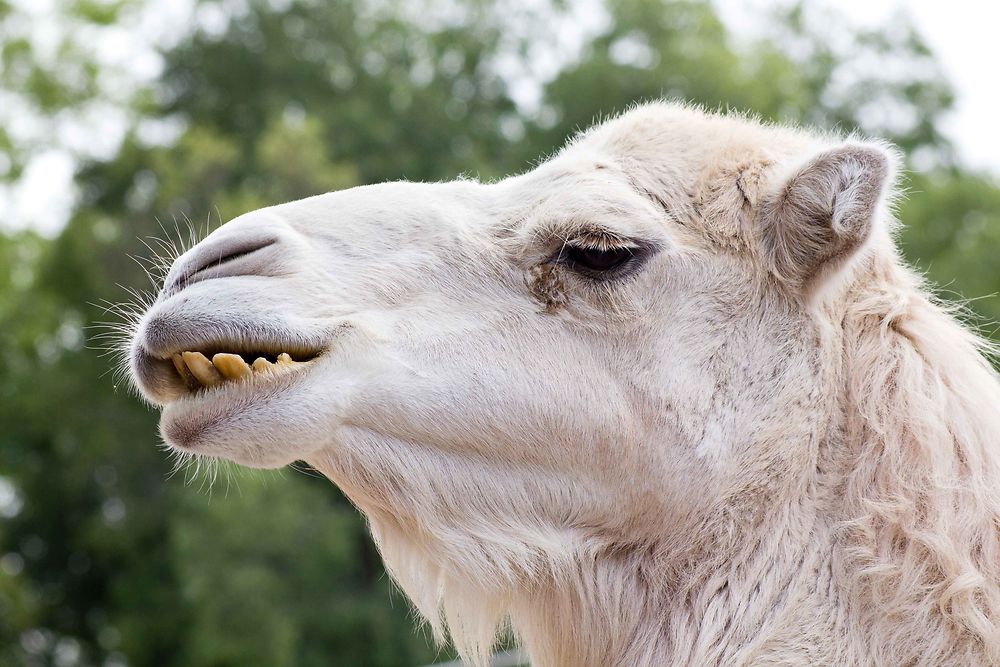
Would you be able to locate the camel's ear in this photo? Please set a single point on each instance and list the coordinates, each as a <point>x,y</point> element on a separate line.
<point>815,221</point>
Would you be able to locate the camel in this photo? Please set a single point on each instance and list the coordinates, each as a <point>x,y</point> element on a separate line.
<point>670,398</point>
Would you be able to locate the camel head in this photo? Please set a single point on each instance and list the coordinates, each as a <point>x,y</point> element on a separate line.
<point>623,348</point>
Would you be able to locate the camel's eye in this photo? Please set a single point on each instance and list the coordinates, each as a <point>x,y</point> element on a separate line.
<point>604,261</point>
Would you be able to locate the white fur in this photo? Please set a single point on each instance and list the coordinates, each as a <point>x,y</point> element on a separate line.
<point>706,462</point>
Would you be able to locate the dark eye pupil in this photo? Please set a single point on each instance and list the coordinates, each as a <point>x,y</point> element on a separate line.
<point>594,259</point>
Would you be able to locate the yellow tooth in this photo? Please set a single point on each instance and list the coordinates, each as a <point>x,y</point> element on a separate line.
<point>284,359</point>
<point>231,366</point>
<point>202,368</point>
<point>182,370</point>
<point>261,364</point>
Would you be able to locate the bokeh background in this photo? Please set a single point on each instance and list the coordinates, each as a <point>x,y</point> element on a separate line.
<point>123,122</point>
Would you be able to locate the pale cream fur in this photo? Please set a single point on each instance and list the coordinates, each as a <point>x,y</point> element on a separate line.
<point>765,446</point>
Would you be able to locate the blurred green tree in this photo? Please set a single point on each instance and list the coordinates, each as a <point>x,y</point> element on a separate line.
<point>105,558</point>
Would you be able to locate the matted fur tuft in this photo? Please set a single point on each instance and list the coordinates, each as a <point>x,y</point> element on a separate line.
<point>919,541</point>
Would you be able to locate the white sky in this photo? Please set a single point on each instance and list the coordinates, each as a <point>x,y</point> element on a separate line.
<point>962,33</point>
<point>965,37</point>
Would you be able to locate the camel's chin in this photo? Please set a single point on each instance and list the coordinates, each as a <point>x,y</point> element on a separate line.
<point>244,421</point>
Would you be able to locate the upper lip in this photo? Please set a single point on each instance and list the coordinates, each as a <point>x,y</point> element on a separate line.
<point>163,336</point>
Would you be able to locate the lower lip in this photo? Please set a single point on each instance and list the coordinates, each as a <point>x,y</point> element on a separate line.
<point>185,421</point>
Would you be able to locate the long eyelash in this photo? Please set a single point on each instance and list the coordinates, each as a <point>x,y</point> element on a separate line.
<point>603,240</point>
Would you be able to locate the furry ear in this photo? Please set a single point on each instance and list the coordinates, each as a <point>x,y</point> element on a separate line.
<point>820,217</point>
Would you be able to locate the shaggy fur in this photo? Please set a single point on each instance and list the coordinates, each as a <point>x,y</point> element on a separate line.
<point>759,443</point>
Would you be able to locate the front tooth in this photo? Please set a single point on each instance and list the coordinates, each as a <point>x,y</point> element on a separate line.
<point>202,368</point>
<point>189,380</point>
<point>261,364</point>
<point>284,359</point>
<point>231,366</point>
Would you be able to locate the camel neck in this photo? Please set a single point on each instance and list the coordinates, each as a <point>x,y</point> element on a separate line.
<point>629,612</point>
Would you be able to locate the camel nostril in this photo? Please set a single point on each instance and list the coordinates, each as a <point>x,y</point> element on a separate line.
<point>230,256</point>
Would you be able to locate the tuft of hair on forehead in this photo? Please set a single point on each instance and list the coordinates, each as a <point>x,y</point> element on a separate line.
<point>659,131</point>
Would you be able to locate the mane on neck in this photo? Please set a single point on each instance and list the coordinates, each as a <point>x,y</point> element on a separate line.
<point>918,546</point>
